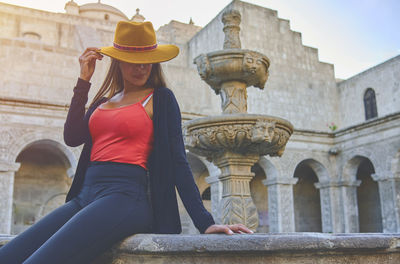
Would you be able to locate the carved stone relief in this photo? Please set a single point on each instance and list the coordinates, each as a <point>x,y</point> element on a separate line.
<point>231,19</point>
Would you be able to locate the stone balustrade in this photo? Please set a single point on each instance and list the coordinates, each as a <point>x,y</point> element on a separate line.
<point>255,248</point>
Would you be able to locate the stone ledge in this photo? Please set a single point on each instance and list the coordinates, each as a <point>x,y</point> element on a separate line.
<point>254,248</point>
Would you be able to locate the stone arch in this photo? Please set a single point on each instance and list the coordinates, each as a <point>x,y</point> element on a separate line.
<point>286,164</point>
<point>361,170</point>
<point>350,167</point>
<point>207,169</point>
<point>319,169</point>
<point>291,160</point>
<point>206,194</point>
<point>199,170</point>
<point>48,206</point>
<point>269,168</point>
<point>48,138</point>
<point>31,35</point>
<point>308,218</point>
<point>200,173</point>
<point>368,198</point>
<point>259,192</point>
<point>43,173</point>
<point>215,187</point>
<point>211,167</point>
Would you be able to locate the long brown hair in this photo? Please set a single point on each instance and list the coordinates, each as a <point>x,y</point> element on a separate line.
<point>114,82</point>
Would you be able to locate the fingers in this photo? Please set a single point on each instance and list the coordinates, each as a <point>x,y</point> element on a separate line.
<point>219,229</point>
<point>88,62</point>
<point>240,228</point>
<point>229,229</point>
<point>91,49</point>
<point>89,56</point>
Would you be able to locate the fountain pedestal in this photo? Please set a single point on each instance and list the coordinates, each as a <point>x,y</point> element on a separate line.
<point>234,143</point>
<point>236,204</point>
<point>235,140</point>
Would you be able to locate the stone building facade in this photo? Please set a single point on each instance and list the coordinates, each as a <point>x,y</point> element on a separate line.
<point>341,180</point>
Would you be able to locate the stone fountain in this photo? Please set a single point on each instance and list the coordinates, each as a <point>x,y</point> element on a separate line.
<point>235,140</point>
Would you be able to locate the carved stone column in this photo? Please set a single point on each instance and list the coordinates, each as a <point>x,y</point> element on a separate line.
<point>236,205</point>
<point>331,207</point>
<point>350,206</point>
<point>233,97</point>
<point>231,19</point>
<point>7,171</point>
<point>280,204</point>
<point>389,193</point>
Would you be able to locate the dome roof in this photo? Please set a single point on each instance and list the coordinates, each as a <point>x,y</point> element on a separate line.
<point>71,3</point>
<point>99,7</point>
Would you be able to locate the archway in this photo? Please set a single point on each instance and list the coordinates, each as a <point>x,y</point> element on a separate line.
<point>259,194</point>
<point>41,176</point>
<point>306,198</point>
<point>369,205</point>
<point>200,172</point>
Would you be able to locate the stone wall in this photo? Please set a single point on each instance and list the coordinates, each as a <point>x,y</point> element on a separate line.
<point>46,68</point>
<point>52,27</point>
<point>384,79</point>
<point>255,248</point>
<point>300,87</point>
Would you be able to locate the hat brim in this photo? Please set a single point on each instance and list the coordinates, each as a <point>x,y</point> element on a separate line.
<point>162,53</point>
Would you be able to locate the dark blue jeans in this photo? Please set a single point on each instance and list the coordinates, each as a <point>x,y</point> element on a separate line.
<point>111,206</point>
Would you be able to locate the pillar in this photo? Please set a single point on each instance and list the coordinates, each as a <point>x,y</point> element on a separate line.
<point>236,205</point>
<point>7,172</point>
<point>331,206</point>
<point>389,193</point>
<point>350,205</point>
<point>280,204</point>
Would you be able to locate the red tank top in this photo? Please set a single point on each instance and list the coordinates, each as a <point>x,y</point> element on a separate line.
<point>123,134</point>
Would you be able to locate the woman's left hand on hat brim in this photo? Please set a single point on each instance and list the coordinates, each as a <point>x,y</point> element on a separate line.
<point>228,229</point>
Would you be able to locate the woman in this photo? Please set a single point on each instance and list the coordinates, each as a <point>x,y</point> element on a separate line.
<point>132,160</point>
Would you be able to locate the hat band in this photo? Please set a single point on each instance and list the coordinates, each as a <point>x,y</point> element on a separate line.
<point>135,48</point>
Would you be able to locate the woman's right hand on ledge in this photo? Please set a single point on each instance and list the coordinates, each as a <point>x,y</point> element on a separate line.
<point>88,62</point>
<point>228,229</point>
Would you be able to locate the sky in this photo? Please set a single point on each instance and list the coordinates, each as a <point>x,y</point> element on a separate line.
<point>354,35</point>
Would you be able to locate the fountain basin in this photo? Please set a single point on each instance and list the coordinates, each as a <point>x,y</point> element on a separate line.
<point>226,65</point>
<point>239,133</point>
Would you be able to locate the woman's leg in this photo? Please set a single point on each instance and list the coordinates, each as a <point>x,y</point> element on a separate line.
<point>23,245</point>
<point>95,229</point>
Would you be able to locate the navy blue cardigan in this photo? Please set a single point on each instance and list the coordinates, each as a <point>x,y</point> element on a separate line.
<point>167,164</point>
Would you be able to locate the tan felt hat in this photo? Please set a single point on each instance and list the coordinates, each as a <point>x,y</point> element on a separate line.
<point>135,42</point>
